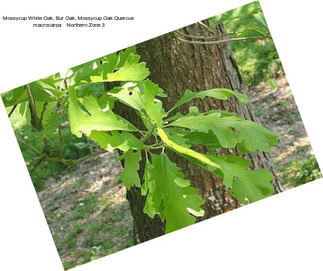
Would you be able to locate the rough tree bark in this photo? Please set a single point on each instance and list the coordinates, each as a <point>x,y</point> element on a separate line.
<point>176,66</point>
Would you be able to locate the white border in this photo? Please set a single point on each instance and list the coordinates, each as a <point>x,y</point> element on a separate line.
<point>283,232</point>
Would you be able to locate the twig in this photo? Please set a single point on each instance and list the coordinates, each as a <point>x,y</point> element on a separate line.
<point>204,37</point>
<point>34,160</point>
<point>207,28</point>
<point>222,41</point>
<point>44,157</point>
<point>73,161</point>
<point>89,156</point>
<point>147,136</point>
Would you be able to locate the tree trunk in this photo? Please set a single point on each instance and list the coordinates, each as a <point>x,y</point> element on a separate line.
<point>176,66</point>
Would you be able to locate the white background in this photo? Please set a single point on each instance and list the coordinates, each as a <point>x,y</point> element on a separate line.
<point>283,232</point>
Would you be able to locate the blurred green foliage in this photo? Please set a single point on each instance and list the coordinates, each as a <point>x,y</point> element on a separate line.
<point>257,59</point>
<point>301,172</point>
<point>73,146</point>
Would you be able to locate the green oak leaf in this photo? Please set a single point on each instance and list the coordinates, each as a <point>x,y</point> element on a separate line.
<point>129,94</point>
<point>141,97</point>
<point>82,73</point>
<point>144,187</point>
<point>200,138</point>
<point>130,71</point>
<point>94,71</point>
<point>179,136</point>
<point>40,91</point>
<point>14,96</point>
<point>109,64</point>
<point>217,93</point>
<point>23,109</point>
<point>94,118</point>
<point>124,55</point>
<point>184,150</point>
<point>170,195</point>
<point>123,66</point>
<point>50,120</point>
<point>231,131</point>
<point>256,187</point>
<point>129,175</point>
<point>245,185</point>
<point>194,111</point>
<point>122,140</point>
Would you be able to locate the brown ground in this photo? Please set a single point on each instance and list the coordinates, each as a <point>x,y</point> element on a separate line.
<point>277,110</point>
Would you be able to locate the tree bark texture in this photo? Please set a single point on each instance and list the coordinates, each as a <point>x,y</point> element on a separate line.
<point>176,66</point>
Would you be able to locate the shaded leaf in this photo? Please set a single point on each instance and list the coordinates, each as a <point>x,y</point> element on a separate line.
<point>245,185</point>
<point>50,120</point>
<point>231,131</point>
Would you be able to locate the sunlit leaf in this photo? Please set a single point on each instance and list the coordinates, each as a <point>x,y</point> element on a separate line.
<point>94,118</point>
<point>170,195</point>
<point>218,93</point>
<point>110,141</point>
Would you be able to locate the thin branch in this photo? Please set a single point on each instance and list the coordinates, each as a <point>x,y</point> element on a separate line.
<point>12,110</point>
<point>44,157</point>
<point>43,112</point>
<point>71,162</point>
<point>60,136</point>
<point>37,163</point>
<point>147,136</point>
<point>223,41</point>
<point>34,118</point>
<point>204,37</point>
<point>207,28</point>
<point>30,97</point>
<point>88,156</point>
<point>65,84</point>
<point>29,147</point>
<point>34,160</point>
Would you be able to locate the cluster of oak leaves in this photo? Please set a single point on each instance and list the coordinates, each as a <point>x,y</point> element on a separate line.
<point>168,193</point>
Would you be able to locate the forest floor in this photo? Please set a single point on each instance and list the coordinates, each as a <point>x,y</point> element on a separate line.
<point>87,210</point>
<point>277,110</point>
